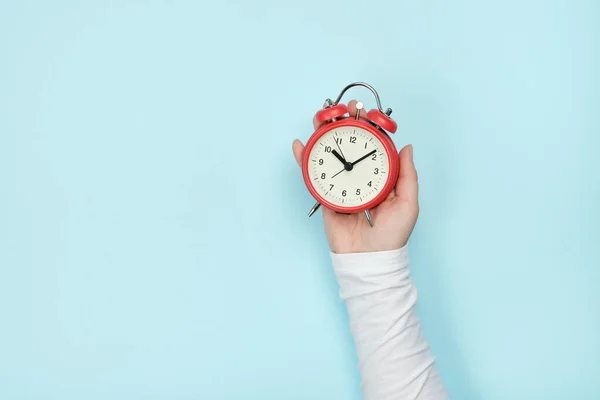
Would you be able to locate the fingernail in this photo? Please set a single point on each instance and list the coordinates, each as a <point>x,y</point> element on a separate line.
<point>410,149</point>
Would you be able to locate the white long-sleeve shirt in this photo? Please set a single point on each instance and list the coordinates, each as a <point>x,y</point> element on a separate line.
<point>394,358</point>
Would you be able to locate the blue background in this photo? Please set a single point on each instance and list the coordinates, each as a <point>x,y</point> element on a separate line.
<point>154,242</point>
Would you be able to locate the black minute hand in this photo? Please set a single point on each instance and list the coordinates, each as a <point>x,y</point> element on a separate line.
<point>363,157</point>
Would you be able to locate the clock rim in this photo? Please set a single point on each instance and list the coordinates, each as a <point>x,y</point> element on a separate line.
<point>393,164</point>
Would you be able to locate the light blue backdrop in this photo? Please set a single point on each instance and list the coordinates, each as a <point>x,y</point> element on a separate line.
<point>154,242</point>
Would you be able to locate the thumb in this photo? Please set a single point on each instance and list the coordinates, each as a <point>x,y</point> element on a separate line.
<point>298,148</point>
<point>407,187</point>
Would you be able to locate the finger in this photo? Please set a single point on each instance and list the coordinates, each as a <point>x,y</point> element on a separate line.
<point>392,194</point>
<point>316,123</point>
<point>352,109</point>
<point>298,148</point>
<point>407,187</point>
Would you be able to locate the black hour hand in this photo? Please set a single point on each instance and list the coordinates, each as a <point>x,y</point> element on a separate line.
<point>337,155</point>
<point>347,165</point>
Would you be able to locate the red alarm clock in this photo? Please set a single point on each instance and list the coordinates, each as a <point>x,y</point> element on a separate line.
<point>350,164</point>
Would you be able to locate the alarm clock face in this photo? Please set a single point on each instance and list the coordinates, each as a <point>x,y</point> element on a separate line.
<point>348,166</point>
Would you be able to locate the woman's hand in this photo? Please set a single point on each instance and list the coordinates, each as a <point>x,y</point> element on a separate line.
<point>394,218</point>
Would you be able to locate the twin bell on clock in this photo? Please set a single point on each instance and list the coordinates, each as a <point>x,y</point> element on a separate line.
<point>350,164</point>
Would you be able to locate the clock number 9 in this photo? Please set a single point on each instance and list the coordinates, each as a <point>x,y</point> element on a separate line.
<point>320,161</point>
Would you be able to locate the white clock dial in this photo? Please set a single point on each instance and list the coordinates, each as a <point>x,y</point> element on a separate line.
<point>341,184</point>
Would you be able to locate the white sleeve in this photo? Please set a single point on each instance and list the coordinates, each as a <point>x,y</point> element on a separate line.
<point>394,358</point>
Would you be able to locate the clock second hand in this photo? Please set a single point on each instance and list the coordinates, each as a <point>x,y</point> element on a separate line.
<point>340,149</point>
<point>338,173</point>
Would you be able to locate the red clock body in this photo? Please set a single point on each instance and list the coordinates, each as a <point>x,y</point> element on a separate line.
<point>350,165</point>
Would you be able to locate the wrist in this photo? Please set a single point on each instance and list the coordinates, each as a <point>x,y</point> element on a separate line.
<point>367,248</point>
<point>367,255</point>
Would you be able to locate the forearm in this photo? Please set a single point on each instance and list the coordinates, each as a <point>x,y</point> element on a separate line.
<point>395,360</point>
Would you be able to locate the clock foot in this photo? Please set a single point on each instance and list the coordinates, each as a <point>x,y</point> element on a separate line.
<point>314,209</point>
<point>368,215</point>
